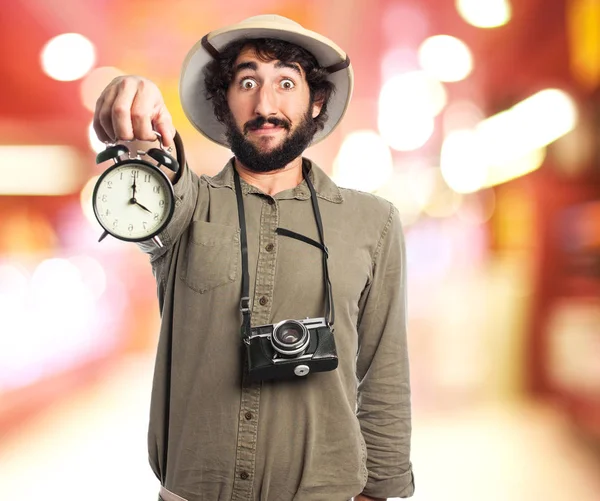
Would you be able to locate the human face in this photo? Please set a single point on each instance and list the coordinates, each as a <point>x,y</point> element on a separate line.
<point>271,116</point>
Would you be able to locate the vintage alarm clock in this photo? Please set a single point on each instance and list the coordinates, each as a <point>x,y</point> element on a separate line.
<point>133,199</point>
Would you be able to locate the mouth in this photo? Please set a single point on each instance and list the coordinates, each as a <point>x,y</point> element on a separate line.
<point>266,129</point>
<point>261,126</point>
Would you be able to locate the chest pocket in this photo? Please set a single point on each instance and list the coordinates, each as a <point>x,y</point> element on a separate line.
<point>212,256</point>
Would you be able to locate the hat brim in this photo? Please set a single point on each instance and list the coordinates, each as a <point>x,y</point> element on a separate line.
<point>199,110</point>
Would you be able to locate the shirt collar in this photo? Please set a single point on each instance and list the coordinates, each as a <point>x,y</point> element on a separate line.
<point>324,186</point>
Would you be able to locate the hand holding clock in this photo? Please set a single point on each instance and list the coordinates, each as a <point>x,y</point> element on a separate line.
<point>129,109</point>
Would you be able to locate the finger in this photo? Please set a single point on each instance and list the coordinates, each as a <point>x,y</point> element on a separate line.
<point>163,124</point>
<point>121,110</point>
<point>142,110</point>
<point>102,115</point>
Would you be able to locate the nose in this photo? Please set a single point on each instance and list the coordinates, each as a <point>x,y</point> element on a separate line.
<point>266,102</point>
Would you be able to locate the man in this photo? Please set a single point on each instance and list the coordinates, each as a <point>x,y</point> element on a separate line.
<point>267,88</point>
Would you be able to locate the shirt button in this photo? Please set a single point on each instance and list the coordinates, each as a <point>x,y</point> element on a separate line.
<point>269,247</point>
<point>263,300</point>
<point>244,475</point>
<point>248,416</point>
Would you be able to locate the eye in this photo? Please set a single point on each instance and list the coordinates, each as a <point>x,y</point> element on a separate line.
<point>247,84</point>
<point>287,84</point>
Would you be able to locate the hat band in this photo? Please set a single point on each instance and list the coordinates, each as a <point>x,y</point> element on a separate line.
<point>342,65</point>
<point>215,54</point>
<point>210,48</point>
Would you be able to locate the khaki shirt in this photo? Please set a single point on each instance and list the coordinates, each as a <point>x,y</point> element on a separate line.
<point>326,437</point>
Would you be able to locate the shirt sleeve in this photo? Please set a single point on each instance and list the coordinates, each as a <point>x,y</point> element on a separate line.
<point>384,407</point>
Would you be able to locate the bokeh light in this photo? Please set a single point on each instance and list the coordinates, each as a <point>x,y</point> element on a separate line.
<point>509,168</point>
<point>462,162</point>
<point>405,132</point>
<point>95,143</point>
<point>485,13</point>
<point>44,169</point>
<point>361,152</point>
<point>412,93</point>
<point>530,125</point>
<point>407,105</point>
<point>68,57</point>
<point>509,144</point>
<point>445,57</point>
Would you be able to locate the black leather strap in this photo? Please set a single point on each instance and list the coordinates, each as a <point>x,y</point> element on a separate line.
<point>245,299</point>
<point>329,309</point>
<point>298,236</point>
<point>180,152</point>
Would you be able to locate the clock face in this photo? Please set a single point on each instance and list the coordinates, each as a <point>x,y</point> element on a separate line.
<point>133,201</point>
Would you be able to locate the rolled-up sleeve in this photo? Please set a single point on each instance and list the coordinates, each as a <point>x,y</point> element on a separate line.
<point>384,401</point>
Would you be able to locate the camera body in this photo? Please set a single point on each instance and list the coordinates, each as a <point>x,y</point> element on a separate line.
<point>290,349</point>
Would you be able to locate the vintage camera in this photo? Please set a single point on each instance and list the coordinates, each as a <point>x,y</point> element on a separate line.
<point>289,349</point>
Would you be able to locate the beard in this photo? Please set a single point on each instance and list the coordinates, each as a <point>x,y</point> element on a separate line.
<point>291,148</point>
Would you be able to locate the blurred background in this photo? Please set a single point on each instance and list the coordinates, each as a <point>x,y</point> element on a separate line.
<point>479,119</point>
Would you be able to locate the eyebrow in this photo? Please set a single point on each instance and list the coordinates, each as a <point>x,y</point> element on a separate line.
<point>251,65</point>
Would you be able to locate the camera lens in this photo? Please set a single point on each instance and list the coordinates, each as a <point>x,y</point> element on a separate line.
<point>290,337</point>
<point>290,334</point>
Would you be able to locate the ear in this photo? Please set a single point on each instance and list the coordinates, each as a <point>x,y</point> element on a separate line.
<point>316,108</point>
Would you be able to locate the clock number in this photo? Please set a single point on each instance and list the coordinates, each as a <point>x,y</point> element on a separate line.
<point>115,224</point>
<point>104,198</point>
<point>107,213</point>
<point>147,178</point>
<point>135,173</point>
<point>156,216</point>
<point>121,176</point>
<point>109,184</point>
<point>161,203</point>
<point>156,189</point>
<point>144,224</point>
<point>130,227</point>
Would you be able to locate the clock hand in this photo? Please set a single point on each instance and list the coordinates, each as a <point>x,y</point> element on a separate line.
<point>140,205</point>
<point>133,186</point>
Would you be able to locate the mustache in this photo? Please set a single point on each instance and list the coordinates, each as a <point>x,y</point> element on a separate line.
<point>259,121</point>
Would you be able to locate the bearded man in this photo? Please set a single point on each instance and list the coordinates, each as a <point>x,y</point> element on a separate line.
<point>312,401</point>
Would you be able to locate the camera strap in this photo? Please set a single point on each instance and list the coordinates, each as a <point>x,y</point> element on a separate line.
<point>245,299</point>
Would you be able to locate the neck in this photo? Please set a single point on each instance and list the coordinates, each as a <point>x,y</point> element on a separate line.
<point>275,181</point>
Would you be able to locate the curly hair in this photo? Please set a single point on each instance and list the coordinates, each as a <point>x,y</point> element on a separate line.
<point>219,73</point>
